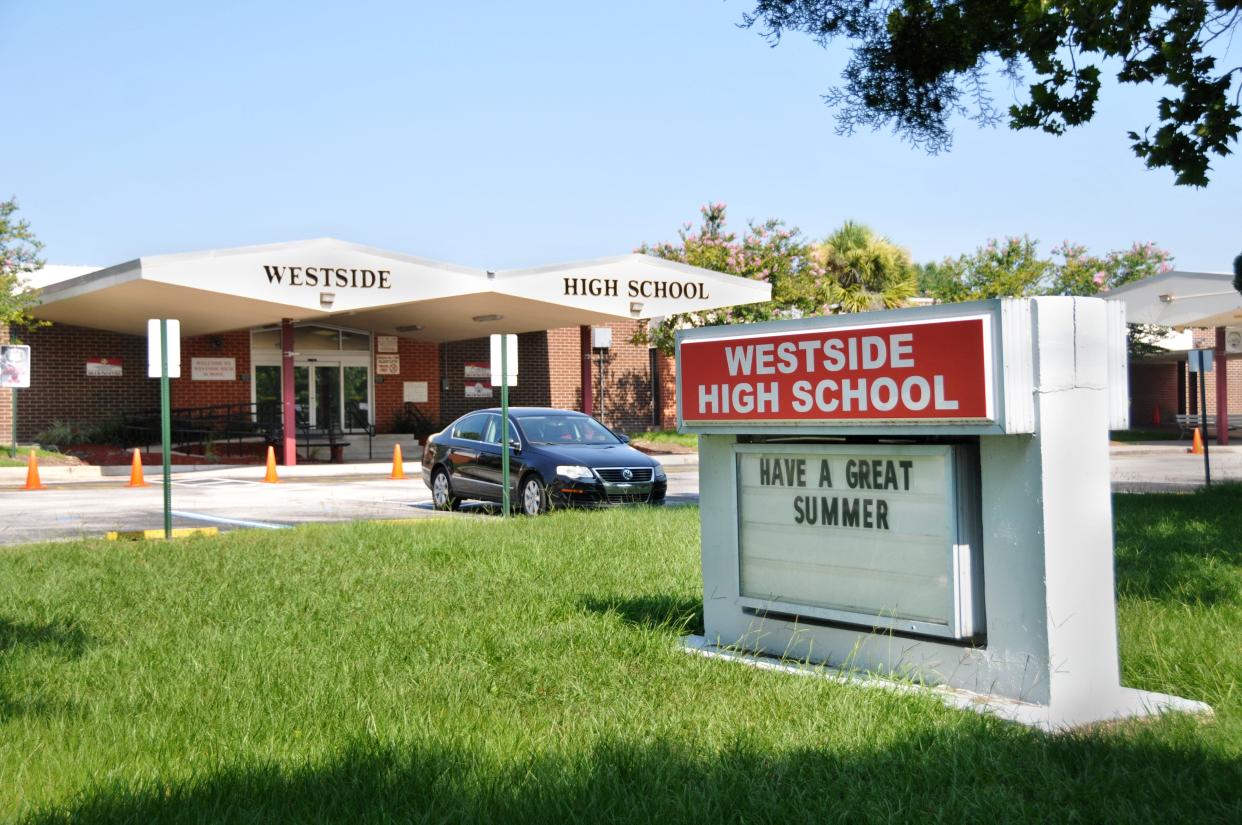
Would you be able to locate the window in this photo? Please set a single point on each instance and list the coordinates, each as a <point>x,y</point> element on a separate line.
<point>471,427</point>
<point>313,338</point>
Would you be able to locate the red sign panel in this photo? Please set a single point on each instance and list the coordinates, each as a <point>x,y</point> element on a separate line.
<point>918,371</point>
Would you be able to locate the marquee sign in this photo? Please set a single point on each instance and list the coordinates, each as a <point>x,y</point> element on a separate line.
<point>936,370</point>
<point>869,535</point>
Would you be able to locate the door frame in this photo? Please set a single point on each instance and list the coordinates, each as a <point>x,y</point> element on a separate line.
<point>310,359</point>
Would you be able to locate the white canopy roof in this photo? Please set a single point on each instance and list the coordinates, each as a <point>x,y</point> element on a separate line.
<point>1182,299</point>
<point>373,289</point>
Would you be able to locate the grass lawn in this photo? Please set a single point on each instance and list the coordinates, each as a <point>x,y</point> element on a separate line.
<point>472,670</point>
<point>668,437</point>
<point>23,455</point>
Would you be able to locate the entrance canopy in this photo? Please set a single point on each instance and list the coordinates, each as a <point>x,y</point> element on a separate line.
<point>1182,299</point>
<point>372,289</point>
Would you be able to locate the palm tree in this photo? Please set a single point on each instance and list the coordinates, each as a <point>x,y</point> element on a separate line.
<point>862,270</point>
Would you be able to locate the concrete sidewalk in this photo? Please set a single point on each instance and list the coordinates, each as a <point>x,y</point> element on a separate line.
<point>16,476</point>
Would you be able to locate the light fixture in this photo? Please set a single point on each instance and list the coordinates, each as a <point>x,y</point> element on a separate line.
<point>1166,298</point>
<point>326,299</point>
<point>491,275</point>
<point>409,328</point>
<point>636,307</point>
<point>483,319</point>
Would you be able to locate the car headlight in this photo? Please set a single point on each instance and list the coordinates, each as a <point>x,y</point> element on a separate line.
<point>574,471</point>
<point>660,475</point>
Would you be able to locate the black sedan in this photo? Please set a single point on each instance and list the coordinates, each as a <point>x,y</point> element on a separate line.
<point>557,458</point>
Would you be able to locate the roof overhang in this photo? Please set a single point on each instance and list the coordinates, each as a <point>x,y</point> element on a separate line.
<point>1182,299</point>
<point>382,291</point>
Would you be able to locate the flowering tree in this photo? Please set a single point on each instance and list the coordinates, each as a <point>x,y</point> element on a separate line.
<point>853,269</point>
<point>999,268</point>
<point>1013,267</point>
<point>19,255</point>
<point>766,252</point>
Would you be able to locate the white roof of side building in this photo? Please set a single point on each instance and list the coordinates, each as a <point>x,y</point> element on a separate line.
<point>1181,299</point>
<point>382,291</point>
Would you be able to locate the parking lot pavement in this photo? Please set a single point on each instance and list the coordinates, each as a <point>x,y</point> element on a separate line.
<point>1169,467</point>
<point>234,499</point>
<point>93,509</point>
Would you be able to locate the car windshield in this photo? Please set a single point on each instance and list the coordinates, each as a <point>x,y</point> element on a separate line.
<point>566,429</point>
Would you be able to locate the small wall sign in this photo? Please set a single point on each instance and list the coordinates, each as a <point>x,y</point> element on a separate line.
<point>104,367</point>
<point>213,369</point>
<point>386,343</point>
<point>478,379</point>
<point>387,364</point>
<point>414,392</point>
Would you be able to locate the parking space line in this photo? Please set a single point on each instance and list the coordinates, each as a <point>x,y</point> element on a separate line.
<point>233,521</point>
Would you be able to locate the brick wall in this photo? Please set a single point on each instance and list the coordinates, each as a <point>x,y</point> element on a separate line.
<point>1206,338</point>
<point>420,361</point>
<point>61,390</point>
<point>565,368</point>
<point>550,370</point>
<point>533,387</point>
<point>187,392</point>
<point>666,367</point>
<point>1152,386</point>
<point>625,402</point>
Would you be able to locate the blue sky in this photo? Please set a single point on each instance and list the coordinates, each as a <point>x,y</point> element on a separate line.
<point>502,135</point>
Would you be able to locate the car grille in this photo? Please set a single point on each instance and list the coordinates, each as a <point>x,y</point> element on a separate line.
<point>615,475</point>
<point>629,498</point>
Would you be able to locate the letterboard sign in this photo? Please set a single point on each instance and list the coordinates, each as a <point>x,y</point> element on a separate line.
<point>932,371</point>
<point>862,534</point>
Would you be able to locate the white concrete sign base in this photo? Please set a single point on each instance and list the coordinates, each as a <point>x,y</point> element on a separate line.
<point>1131,703</point>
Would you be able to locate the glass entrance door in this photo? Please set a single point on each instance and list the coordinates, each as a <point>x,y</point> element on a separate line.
<point>327,397</point>
<point>326,394</point>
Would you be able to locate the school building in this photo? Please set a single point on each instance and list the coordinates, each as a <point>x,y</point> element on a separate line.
<point>356,336</point>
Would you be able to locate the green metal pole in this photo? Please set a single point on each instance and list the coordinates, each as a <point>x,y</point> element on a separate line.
<point>504,425</point>
<point>166,428</point>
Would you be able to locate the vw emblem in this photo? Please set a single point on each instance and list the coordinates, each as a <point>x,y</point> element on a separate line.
<point>627,474</point>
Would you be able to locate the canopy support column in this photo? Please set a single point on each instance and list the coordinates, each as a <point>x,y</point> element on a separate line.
<point>1222,389</point>
<point>588,383</point>
<point>288,410</point>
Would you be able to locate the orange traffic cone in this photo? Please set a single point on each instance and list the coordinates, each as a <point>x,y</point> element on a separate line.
<point>271,478</point>
<point>32,473</point>
<point>398,466</point>
<point>1196,446</point>
<point>135,471</point>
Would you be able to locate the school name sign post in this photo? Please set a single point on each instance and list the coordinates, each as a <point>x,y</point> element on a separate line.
<point>921,493</point>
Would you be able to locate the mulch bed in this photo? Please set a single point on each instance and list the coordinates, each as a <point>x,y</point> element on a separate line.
<point>106,455</point>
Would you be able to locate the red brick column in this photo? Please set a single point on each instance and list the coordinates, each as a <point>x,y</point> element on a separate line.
<point>1222,389</point>
<point>588,384</point>
<point>289,419</point>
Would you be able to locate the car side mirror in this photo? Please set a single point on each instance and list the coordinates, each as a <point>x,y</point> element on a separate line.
<point>625,439</point>
<point>515,445</point>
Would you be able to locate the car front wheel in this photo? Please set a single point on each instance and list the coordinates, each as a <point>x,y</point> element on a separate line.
<point>442,492</point>
<point>533,499</point>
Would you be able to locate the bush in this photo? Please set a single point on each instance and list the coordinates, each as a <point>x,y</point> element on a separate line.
<point>63,434</point>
